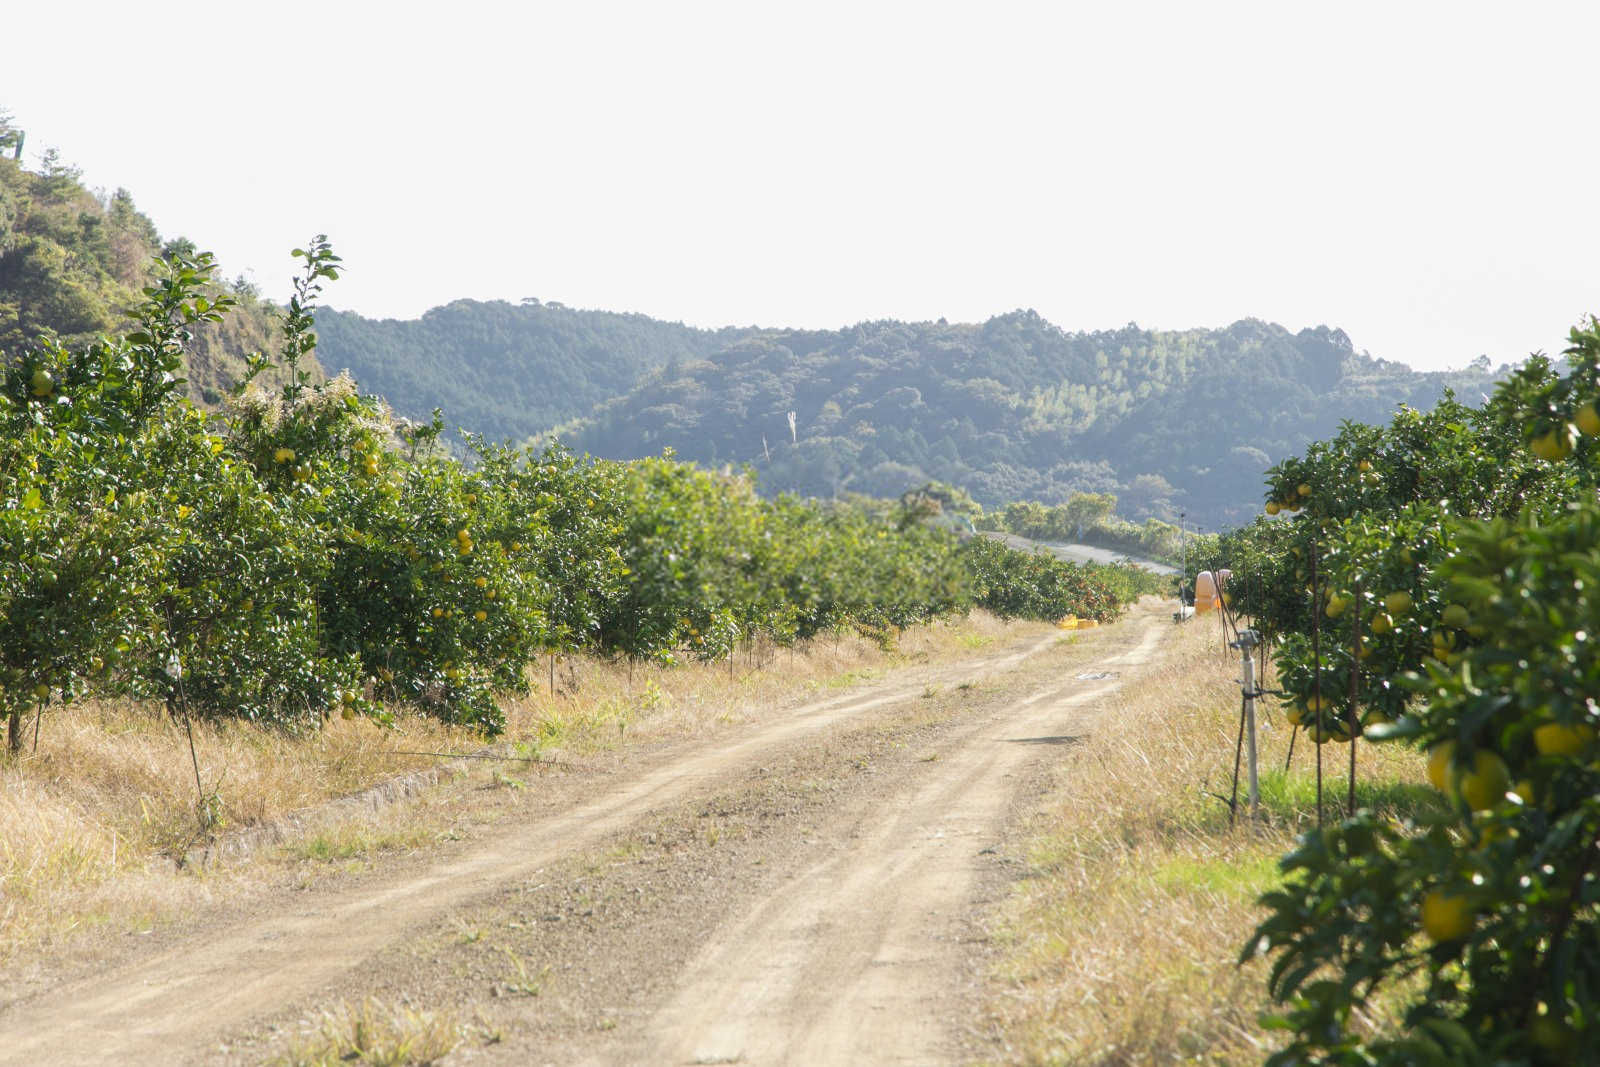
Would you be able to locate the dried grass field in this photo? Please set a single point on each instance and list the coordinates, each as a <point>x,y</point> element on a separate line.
<point>1120,945</point>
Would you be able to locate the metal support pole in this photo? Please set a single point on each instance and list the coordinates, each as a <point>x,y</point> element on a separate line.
<point>1248,640</point>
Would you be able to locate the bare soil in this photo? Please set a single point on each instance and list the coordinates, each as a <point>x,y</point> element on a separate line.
<point>804,888</point>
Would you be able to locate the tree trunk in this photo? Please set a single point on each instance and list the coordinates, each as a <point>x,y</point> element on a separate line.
<point>14,732</point>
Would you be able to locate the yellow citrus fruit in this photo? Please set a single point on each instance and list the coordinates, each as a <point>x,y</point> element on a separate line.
<point>1381,624</point>
<point>1398,603</point>
<point>1588,420</point>
<point>41,383</point>
<point>1484,784</point>
<point>1295,714</point>
<point>1330,729</point>
<point>1439,758</point>
<point>1555,1037</point>
<point>1272,507</point>
<point>1555,445</point>
<point>1336,606</point>
<point>1455,615</point>
<point>1364,466</point>
<point>438,613</point>
<point>1304,489</point>
<point>283,455</point>
<point>41,691</point>
<point>1445,917</point>
<point>480,615</point>
<point>1559,739</point>
<point>480,581</point>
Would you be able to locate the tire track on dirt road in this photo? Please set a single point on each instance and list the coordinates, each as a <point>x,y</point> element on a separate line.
<point>174,1005</point>
<point>859,958</point>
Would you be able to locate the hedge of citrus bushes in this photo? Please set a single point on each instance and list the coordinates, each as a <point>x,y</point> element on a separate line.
<point>1445,569</point>
<point>304,553</point>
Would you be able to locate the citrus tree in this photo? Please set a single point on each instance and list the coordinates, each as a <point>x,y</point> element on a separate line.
<point>1485,919</point>
<point>86,528</point>
<point>305,553</point>
<point>1443,568</point>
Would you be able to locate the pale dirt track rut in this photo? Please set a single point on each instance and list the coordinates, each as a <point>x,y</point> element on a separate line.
<point>845,965</point>
<point>849,963</point>
<point>855,961</point>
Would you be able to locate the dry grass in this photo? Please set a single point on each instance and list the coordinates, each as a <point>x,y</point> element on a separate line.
<point>375,1035</point>
<point>599,704</point>
<point>91,822</point>
<point>1120,945</point>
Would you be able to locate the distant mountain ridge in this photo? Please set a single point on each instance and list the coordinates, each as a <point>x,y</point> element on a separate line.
<point>1012,408</point>
<point>507,370</point>
<point>1015,408</point>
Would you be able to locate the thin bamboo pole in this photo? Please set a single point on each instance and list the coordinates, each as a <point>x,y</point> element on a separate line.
<point>1316,676</point>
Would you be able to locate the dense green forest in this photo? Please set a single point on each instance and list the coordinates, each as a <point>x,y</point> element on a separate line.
<point>1016,408</point>
<point>508,370</point>
<point>73,261</point>
<point>1011,409</point>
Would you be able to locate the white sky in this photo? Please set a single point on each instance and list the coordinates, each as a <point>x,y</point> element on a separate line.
<point>1423,175</point>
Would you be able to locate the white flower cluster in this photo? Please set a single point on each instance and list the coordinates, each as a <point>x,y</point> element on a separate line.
<point>256,405</point>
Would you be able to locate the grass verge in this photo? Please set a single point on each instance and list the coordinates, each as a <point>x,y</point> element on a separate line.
<point>1119,944</point>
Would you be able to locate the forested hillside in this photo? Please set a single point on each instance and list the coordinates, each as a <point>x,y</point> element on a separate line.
<point>1010,409</point>
<point>1016,408</point>
<point>507,370</point>
<point>73,261</point>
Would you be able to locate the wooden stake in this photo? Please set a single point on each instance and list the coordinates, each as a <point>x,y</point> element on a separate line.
<point>1355,677</point>
<point>1316,677</point>
<point>1238,752</point>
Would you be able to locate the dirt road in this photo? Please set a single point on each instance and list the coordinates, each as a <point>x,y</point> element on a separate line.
<point>828,924</point>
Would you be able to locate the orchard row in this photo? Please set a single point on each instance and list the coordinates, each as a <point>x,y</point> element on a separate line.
<point>304,553</point>
<point>1439,582</point>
